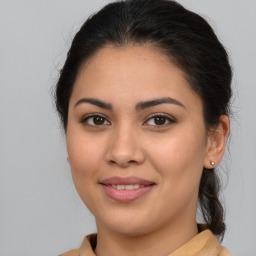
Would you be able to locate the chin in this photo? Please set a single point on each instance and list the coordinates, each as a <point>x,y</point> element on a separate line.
<point>128,225</point>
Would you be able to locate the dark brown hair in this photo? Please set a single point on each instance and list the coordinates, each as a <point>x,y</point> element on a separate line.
<point>190,43</point>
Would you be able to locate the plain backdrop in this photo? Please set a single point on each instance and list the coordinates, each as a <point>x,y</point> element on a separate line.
<point>40,211</point>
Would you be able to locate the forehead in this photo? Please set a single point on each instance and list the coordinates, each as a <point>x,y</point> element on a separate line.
<point>138,61</point>
<point>133,73</point>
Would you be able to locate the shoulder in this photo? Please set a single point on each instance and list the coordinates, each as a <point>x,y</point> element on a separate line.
<point>74,252</point>
<point>86,249</point>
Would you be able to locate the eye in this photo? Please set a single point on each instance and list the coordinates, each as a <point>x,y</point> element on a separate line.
<point>95,120</point>
<point>159,120</point>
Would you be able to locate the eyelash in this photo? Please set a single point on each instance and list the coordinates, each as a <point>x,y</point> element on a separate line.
<point>167,118</point>
<point>91,116</point>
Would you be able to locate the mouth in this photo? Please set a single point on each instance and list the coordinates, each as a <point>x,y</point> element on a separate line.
<point>126,189</point>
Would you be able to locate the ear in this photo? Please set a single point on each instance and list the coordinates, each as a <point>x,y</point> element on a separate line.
<point>216,143</point>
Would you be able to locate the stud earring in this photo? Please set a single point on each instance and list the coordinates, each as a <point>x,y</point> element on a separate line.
<point>212,163</point>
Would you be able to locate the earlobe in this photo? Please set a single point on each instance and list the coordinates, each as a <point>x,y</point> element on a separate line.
<point>216,143</point>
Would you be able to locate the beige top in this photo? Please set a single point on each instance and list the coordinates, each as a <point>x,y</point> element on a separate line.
<point>203,244</point>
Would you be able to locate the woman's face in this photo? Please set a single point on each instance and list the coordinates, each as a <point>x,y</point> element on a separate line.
<point>136,140</point>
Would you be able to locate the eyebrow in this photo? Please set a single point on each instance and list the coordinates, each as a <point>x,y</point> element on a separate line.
<point>95,102</point>
<point>147,104</point>
<point>139,106</point>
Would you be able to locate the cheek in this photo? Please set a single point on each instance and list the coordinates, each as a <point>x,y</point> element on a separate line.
<point>179,163</point>
<point>179,158</point>
<point>84,158</point>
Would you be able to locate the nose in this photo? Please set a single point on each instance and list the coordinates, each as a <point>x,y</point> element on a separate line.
<point>125,149</point>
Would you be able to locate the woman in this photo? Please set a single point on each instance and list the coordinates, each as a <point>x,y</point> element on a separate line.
<point>144,101</point>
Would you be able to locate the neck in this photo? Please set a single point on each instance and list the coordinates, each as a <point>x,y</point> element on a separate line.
<point>161,242</point>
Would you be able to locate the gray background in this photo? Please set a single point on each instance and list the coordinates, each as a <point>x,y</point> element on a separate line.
<point>40,212</point>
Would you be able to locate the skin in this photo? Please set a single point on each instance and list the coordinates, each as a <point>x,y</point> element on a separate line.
<point>130,142</point>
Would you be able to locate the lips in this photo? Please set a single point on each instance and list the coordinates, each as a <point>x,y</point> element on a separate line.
<point>126,189</point>
<point>126,181</point>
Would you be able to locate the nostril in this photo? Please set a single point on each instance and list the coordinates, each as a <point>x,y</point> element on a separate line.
<point>132,161</point>
<point>122,163</point>
<point>124,158</point>
<point>112,162</point>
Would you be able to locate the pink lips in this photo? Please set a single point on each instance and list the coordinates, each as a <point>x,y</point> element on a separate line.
<point>126,195</point>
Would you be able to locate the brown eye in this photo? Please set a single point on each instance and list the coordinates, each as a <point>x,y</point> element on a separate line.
<point>159,121</point>
<point>98,120</point>
<point>95,120</point>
